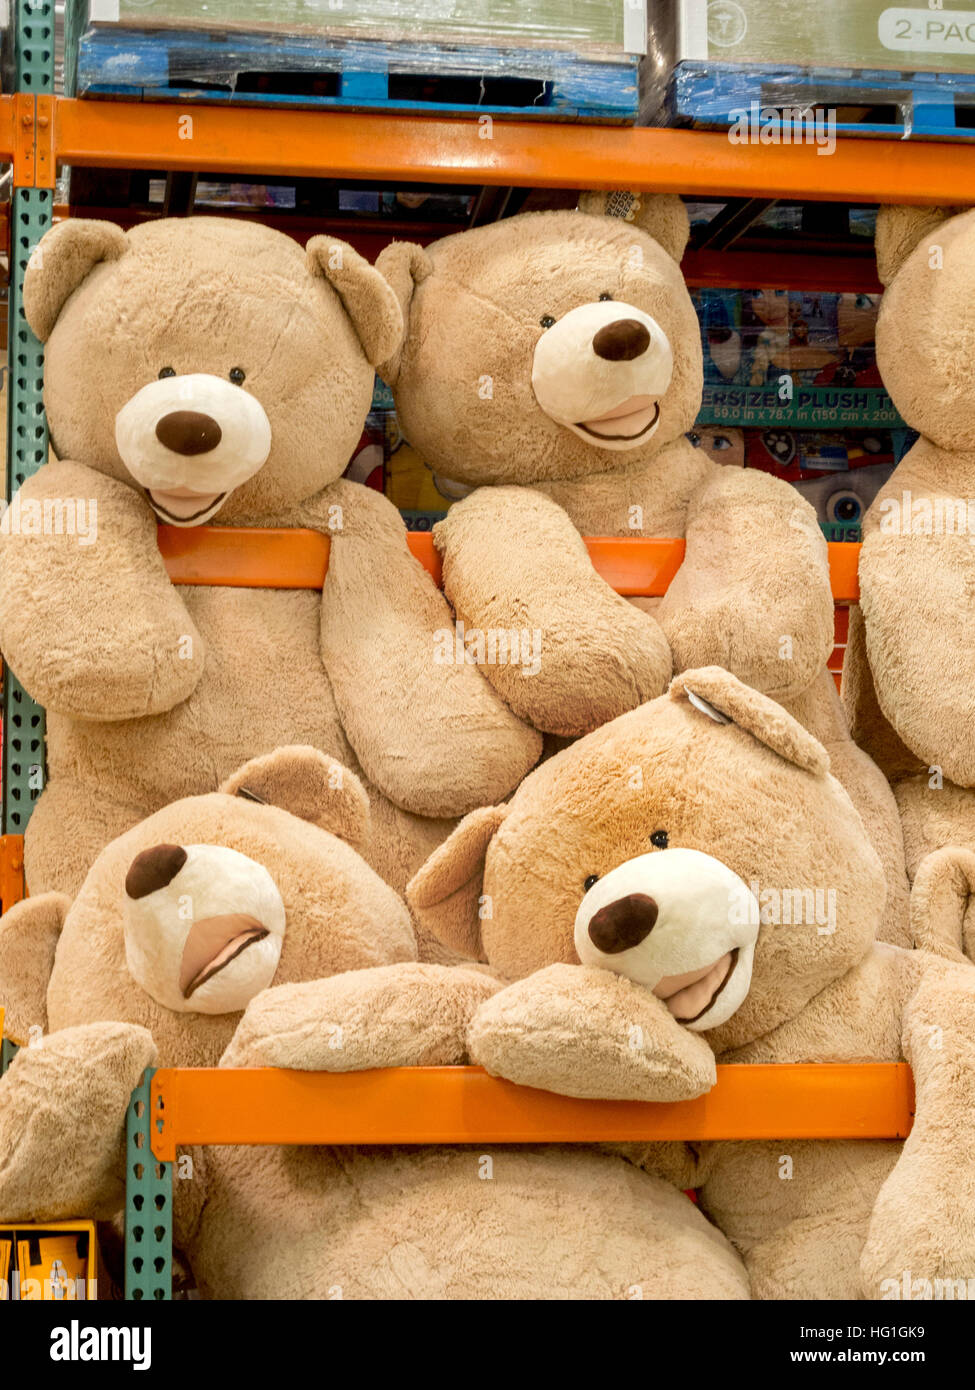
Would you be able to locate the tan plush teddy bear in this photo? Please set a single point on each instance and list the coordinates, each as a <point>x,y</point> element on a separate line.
<point>203,370</point>
<point>182,924</point>
<point>552,361</point>
<point>907,680</point>
<point>690,876</point>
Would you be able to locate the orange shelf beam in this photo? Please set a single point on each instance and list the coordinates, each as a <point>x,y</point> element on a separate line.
<point>240,557</point>
<point>544,154</point>
<point>464,1105</point>
<point>11,870</point>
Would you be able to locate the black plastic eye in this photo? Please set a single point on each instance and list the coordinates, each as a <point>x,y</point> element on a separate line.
<point>660,839</point>
<point>238,376</point>
<point>593,878</point>
<point>167,371</point>
<point>604,295</point>
<point>546,320</point>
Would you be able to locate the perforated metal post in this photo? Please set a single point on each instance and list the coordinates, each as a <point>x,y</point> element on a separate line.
<point>148,1205</point>
<point>22,773</point>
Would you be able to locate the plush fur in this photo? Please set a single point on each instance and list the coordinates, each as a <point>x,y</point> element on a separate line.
<point>732,777</point>
<point>154,692</point>
<point>502,326</point>
<point>907,685</point>
<point>347,994</point>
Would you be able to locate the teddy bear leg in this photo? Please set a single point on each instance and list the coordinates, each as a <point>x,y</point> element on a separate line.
<point>69,827</point>
<point>798,1211</point>
<point>935,814</point>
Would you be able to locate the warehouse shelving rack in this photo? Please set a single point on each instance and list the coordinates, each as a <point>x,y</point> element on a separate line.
<point>40,132</point>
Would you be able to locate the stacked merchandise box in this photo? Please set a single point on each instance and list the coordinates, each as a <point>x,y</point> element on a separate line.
<point>880,69</point>
<point>566,58</point>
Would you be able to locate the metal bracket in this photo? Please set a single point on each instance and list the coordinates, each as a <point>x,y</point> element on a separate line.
<point>148,1202</point>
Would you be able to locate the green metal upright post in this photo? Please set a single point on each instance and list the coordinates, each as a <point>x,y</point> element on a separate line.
<point>22,774</point>
<point>148,1205</point>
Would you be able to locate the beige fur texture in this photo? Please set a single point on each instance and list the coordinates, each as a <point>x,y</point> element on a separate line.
<point>752,594</point>
<point>155,693</point>
<point>347,994</point>
<point>907,684</point>
<point>733,777</point>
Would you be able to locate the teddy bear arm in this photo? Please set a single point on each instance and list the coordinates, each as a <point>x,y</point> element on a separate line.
<point>564,650</point>
<point>918,642</point>
<point>924,1218</point>
<point>589,1033</point>
<point>89,620</point>
<point>428,731</point>
<point>29,933</point>
<point>943,904</point>
<point>407,1015</point>
<point>63,1103</point>
<point>753,593</point>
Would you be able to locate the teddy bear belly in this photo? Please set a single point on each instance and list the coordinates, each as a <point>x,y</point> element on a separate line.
<point>263,685</point>
<point>436,1223</point>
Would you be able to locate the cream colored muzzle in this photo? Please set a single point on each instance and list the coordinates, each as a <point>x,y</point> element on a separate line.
<point>188,486</point>
<point>601,371</point>
<point>680,923</point>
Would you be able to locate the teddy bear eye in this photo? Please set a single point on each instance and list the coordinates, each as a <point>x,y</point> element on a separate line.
<point>593,878</point>
<point>167,371</point>
<point>660,839</point>
<point>546,320</point>
<point>238,376</point>
<point>605,295</point>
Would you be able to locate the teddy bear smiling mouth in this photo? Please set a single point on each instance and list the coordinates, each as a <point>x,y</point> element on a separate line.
<point>643,417</point>
<point>689,997</point>
<point>176,504</point>
<point>212,944</point>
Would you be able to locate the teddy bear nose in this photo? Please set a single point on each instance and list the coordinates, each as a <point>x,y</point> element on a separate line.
<point>188,432</point>
<point>623,923</point>
<point>153,869</point>
<point>621,341</point>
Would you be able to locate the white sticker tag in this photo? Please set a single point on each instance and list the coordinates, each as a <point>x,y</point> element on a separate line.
<point>103,11</point>
<point>707,709</point>
<point>635,26</point>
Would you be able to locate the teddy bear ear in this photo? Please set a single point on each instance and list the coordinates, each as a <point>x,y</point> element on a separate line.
<point>900,230</point>
<point>404,266</point>
<point>717,694</point>
<point>661,215</point>
<point>369,301</point>
<point>60,261</point>
<point>310,785</point>
<point>445,895</point>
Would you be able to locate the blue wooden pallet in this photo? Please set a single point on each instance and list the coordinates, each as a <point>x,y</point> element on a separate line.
<point>921,105</point>
<point>315,71</point>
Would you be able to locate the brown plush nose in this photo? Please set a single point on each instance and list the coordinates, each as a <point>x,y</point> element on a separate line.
<point>188,432</point>
<point>621,341</point>
<point>622,924</point>
<point>153,869</point>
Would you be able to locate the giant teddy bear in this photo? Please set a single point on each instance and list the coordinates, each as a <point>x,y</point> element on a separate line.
<point>691,876</point>
<point>182,924</point>
<point>908,679</point>
<point>198,371</point>
<point>553,362</point>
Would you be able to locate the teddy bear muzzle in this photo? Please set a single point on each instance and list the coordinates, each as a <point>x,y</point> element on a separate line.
<point>204,927</point>
<point>189,441</point>
<point>601,371</point>
<point>679,922</point>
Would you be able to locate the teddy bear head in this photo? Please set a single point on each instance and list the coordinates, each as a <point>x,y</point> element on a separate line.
<point>212,364</point>
<point>697,845</point>
<point>187,916</point>
<point>926,325</point>
<point>552,345</point>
